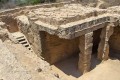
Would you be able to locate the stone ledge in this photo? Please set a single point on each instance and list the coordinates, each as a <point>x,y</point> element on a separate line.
<point>76,29</point>
<point>18,9</point>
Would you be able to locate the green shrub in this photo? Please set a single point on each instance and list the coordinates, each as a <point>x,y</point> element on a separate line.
<point>38,1</point>
<point>34,1</point>
<point>26,2</point>
<point>3,1</point>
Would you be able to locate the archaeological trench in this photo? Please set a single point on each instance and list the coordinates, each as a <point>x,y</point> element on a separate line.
<point>59,30</point>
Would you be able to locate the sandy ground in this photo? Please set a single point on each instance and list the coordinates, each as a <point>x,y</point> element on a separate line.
<point>16,61</point>
<point>107,70</point>
<point>64,70</point>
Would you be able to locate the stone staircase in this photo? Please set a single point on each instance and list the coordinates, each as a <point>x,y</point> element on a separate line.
<point>21,39</point>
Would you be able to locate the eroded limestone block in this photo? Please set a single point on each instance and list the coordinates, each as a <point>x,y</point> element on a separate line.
<point>23,23</point>
<point>85,46</point>
<point>12,38</point>
<point>55,49</point>
<point>3,34</point>
<point>103,49</point>
<point>2,25</point>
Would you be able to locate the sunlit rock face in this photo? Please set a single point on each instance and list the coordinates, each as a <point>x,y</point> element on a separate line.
<point>96,3</point>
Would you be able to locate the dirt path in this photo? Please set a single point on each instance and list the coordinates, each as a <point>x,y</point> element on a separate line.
<point>37,68</point>
<point>108,70</point>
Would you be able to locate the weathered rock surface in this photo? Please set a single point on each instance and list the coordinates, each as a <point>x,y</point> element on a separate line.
<point>55,14</point>
<point>115,40</point>
<point>95,3</point>
<point>103,49</point>
<point>3,34</point>
<point>10,68</point>
<point>18,63</point>
<point>2,25</point>
<point>108,70</point>
<point>65,22</point>
<point>65,14</point>
<point>55,49</point>
<point>25,23</point>
<point>85,46</point>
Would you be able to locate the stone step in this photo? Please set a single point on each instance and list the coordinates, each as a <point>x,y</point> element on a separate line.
<point>23,42</point>
<point>20,40</point>
<point>20,37</point>
<point>26,45</point>
<point>17,34</point>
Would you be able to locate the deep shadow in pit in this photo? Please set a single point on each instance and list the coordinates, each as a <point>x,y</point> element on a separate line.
<point>115,44</point>
<point>96,41</point>
<point>56,51</point>
<point>114,54</point>
<point>70,65</point>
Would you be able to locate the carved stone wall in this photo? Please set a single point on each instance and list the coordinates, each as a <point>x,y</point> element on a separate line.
<point>11,23</point>
<point>103,49</point>
<point>55,49</point>
<point>85,46</point>
<point>96,40</point>
<point>115,40</point>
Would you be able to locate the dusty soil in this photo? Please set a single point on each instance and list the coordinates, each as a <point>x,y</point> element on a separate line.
<point>64,70</point>
<point>64,14</point>
<point>107,70</point>
<point>18,63</point>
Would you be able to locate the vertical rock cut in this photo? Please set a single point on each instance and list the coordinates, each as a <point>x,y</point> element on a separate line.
<point>103,49</point>
<point>85,45</point>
